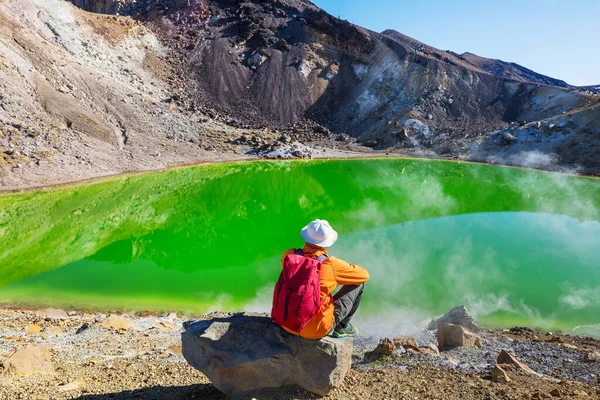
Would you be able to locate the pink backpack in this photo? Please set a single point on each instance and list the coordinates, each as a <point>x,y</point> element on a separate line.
<point>297,295</point>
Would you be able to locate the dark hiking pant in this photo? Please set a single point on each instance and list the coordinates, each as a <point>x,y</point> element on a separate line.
<point>345,303</point>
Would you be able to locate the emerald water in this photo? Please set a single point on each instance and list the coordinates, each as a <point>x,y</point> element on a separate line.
<point>517,247</point>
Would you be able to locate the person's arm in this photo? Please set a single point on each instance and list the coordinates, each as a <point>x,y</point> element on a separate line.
<point>348,274</point>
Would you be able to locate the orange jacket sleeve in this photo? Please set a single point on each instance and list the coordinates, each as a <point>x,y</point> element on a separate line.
<point>348,274</point>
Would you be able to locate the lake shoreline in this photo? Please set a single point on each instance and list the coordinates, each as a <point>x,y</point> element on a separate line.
<point>96,359</point>
<point>327,154</point>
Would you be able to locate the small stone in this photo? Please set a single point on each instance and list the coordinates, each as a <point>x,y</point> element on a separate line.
<point>174,349</point>
<point>385,348</point>
<point>83,328</point>
<point>499,374</point>
<point>166,325</point>
<point>555,393</point>
<point>540,396</point>
<point>506,358</point>
<point>508,137</point>
<point>29,360</point>
<point>591,356</point>
<point>54,330</point>
<point>116,322</point>
<point>53,314</point>
<point>406,342</point>
<point>33,330</point>
<point>74,385</point>
<point>172,316</point>
<point>508,367</point>
<point>434,349</point>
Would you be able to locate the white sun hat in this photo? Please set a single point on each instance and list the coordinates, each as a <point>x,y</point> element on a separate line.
<point>319,233</point>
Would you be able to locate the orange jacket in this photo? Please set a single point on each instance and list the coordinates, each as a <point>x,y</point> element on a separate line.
<point>334,272</point>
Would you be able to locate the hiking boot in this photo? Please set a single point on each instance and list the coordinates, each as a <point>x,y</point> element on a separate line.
<point>345,331</point>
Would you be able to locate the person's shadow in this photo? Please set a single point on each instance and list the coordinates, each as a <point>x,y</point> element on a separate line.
<point>201,391</point>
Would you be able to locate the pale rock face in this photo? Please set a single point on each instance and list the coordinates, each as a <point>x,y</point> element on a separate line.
<point>243,353</point>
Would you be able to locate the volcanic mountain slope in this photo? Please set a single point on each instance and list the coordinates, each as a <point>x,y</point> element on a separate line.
<point>104,86</point>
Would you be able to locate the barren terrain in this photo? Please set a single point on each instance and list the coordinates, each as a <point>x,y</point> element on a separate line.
<point>141,358</point>
<point>95,88</point>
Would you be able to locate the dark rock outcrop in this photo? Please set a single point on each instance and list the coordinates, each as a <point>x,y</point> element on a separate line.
<point>243,353</point>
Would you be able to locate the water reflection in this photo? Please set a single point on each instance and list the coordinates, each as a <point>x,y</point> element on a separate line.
<point>194,237</point>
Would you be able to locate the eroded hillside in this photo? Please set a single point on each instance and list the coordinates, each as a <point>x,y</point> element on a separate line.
<point>106,86</point>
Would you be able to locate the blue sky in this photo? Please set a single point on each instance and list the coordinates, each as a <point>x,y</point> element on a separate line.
<point>556,38</point>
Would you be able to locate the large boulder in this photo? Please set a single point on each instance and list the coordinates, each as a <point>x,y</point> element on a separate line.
<point>242,352</point>
<point>450,335</point>
<point>459,315</point>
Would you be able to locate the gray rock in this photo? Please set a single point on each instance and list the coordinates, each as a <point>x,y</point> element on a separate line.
<point>414,127</point>
<point>459,315</point>
<point>508,137</point>
<point>242,353</point>
<point>295,150</point>
<point>591,356</point>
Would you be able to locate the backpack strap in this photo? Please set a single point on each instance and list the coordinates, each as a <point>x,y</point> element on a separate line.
<point>321,258</point>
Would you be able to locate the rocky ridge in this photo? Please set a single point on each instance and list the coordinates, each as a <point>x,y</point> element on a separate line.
<point>100,87</point>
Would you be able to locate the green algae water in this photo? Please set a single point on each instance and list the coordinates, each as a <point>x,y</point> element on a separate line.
<point>517,247</point>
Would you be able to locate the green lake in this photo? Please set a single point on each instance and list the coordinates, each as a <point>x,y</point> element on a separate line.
<point>517,247</point>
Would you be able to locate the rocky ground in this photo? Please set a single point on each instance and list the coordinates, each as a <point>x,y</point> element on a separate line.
<point>127,356</point>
